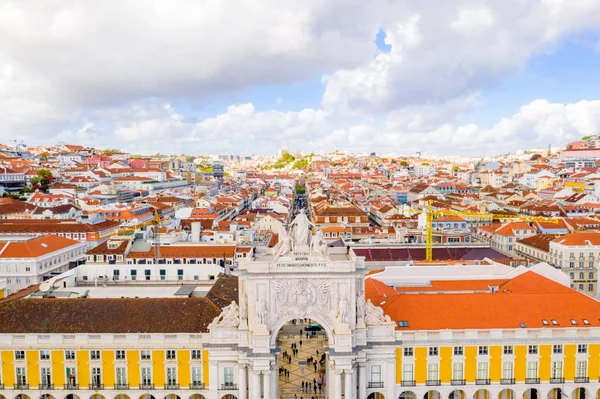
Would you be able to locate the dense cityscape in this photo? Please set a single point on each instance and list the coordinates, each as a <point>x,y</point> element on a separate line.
<point>185,275</point>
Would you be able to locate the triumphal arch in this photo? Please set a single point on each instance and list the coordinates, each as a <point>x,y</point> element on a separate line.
<point>301,277</point>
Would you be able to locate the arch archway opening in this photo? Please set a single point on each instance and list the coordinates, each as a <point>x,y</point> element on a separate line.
<point>71,396</point>
<point>122,396</point>
<point>433,394</point>
<point>531,393</point>
<point>22,396</point>
<point>197,396</point>
<point>580,393</point>
<point>302,359</point>
<point>376,395</point>
<point>147,396</point>
<point>46,396</point>
<point>172,396</point>
<point>457,394</point>
<point>555,393</point>
<point>507,394</point>
<point>407,395</point>
<point>97,396</point>
<point>482,394</point>
<point>229,396</point>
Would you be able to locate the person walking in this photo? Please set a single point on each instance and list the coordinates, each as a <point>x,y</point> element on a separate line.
<point>300,343</point>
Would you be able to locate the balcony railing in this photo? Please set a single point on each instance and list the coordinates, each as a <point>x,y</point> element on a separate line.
<point>507,381</point>
<point>376,384</point>
<point>557,380</point>
<point>197,385</point>
<point>458,382</point>
<point>228,386</point>
<point>72,386</point>
<point>46,386</point>
<point>21,386</point>
<point>408,383</point>
<point>96,387</point>
<point>121,386</point>
<point>532,380</point>
<point>171,386</point>
<point>146,386</point>
<point>482,381</point>
<point>432,382</point>
<point>581,380</point>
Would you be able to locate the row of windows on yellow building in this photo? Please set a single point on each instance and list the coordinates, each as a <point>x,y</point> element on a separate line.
<point>24,367</point>
<point>471,367</point>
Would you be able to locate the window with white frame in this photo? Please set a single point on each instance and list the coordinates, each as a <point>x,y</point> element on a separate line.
<point>71,374</point>
<point>557,369</point>
<point>557,349</point>
<point>95,355</point>
<point>146,376</point>
<point>433,351</point>
<point>507,370</point>
<point>121,373</point>
<point>581,369</point>
<point>171,376</point>
<point>532,370</point>
<point>508,349</point>
<point>582,348</point>
<point>146,355</point>
<point>532,349</point>
<point>482,371</point>
<point>196,375</point>
<point>46,377</point>
<point>20,376</point>
<point>171,354</point>
<point>228,374</point>
<point>19,355</point>
<point>458,351</point>
<point>457,371</point>
<point>375,373</point>
<point>432,371</point>
<point>44,355</point>
<point>96,376</point>
<point>483,350</point>
<point>408,352</point>
<point>407,372</point>
<point>120,354</point>
<point>196,354</point>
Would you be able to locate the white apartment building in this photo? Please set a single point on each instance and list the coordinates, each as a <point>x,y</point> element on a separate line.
<point>30,260</point>
<point>578,255</point>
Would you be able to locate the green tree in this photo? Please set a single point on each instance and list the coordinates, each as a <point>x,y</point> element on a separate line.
<point>584,138</point>
<point>425,164</point>
<point>455,168</point>
<point>300,189</point>
<point>43,178</point>
<point>404,164</point>
<point>535,157</point>
<point>300,164</point>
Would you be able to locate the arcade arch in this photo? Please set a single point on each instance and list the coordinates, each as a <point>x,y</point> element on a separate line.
<point>122,396</point>
<point>407,395</point>
<point>507,394</point>
<point>531,393</point>
<point>555,393</point>
<point>482,394</point>
<point>580,393</point>
<point>457,394</point>
<point>302,361</point>
<point>197,396</point>
<point>229,396</point>
<point>376,395</point>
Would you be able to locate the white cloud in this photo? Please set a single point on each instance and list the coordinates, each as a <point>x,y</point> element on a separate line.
<point>452,50</point>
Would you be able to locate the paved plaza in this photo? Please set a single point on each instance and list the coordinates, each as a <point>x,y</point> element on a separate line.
<point>298,370</point>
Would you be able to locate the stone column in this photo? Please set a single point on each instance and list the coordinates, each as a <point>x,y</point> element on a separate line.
<point>267,383</point>
<point>354,381</point>
<point>337,383</point>
<point>213,375</point>
<point>348,388</point>
<point>275,382</point>
<point>243,381</point>
<point>390,382</point>
<point>362,380</point>
<point>255,385</point>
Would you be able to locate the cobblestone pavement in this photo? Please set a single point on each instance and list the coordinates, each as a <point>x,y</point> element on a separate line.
<point>299,371</point>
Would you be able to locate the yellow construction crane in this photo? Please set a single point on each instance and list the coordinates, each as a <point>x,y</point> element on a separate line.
<point>430,214</point>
